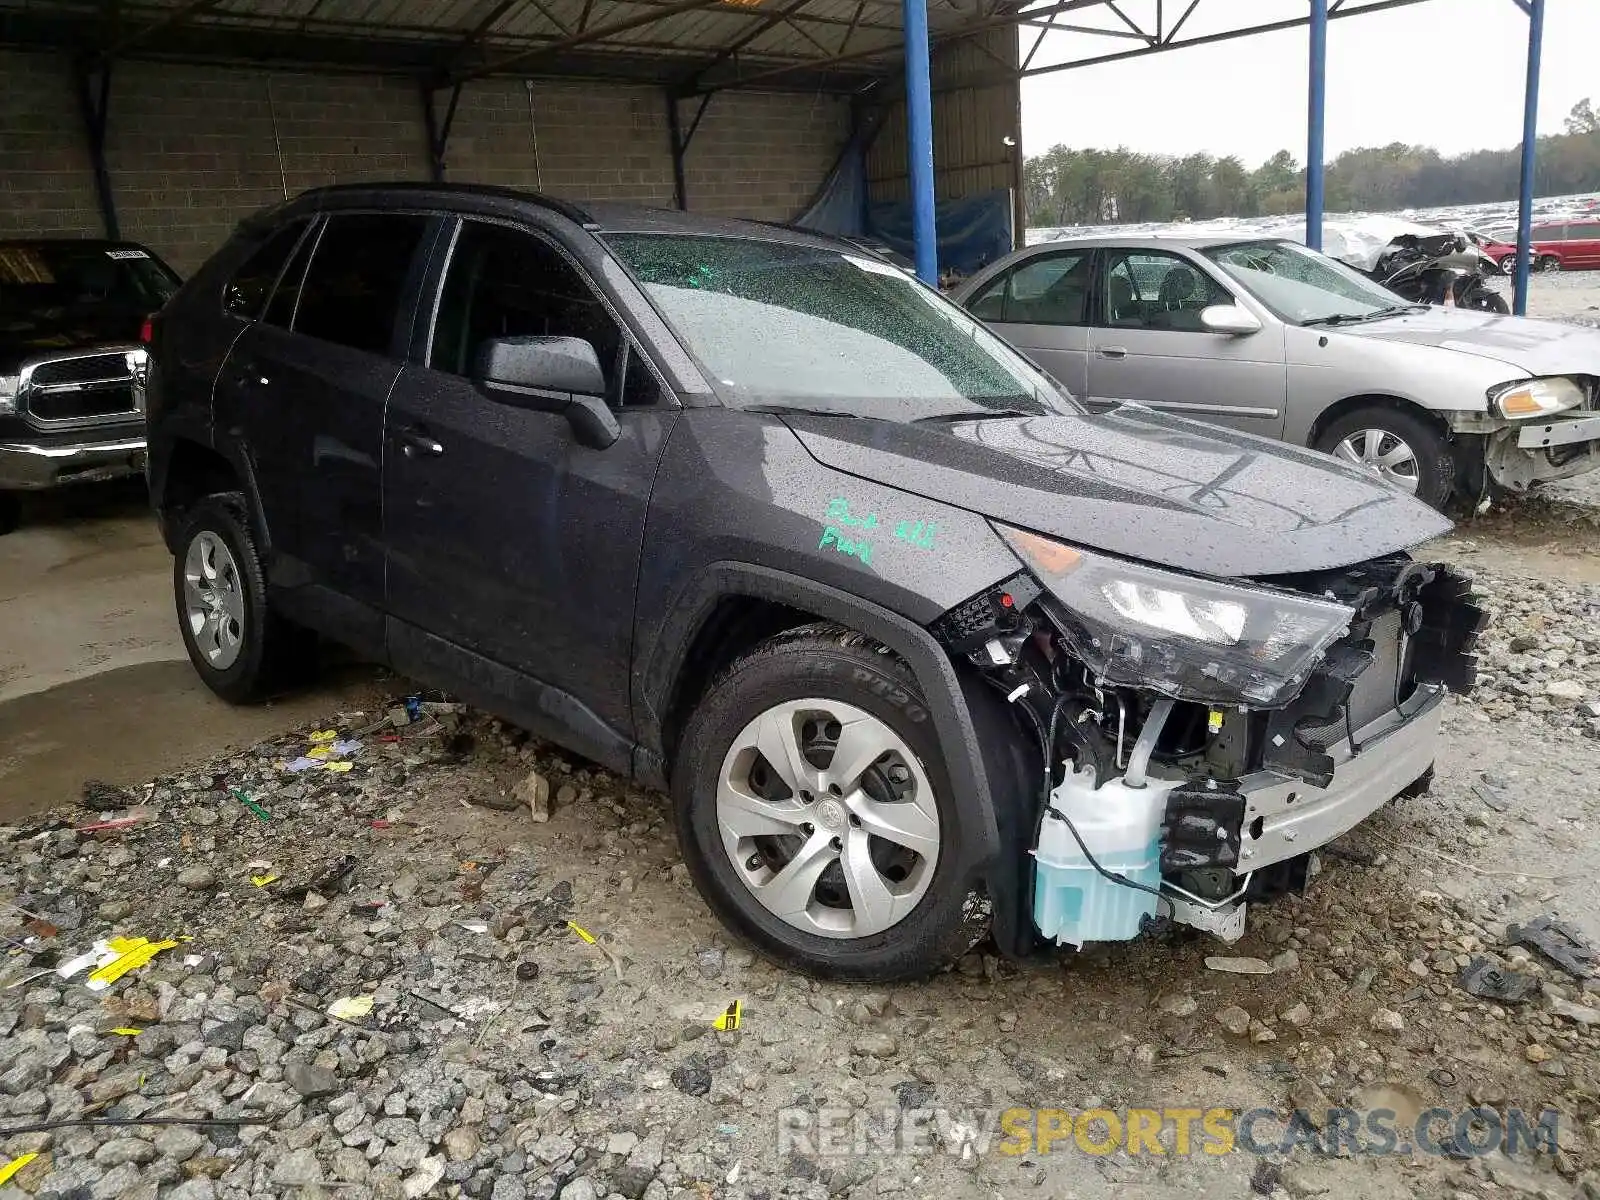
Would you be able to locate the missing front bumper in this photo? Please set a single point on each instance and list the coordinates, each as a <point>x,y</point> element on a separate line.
<point>1519,458</point>
<point>1286,816</point>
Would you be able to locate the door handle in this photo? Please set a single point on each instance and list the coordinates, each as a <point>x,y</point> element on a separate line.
<point>1112,351</point>
<point>415,443</point>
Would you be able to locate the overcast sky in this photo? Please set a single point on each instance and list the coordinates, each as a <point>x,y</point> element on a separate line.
<point>1445,73</point>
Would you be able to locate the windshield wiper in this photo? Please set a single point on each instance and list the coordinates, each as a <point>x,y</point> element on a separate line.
<point>1394,310</point>
<point>981,414</point>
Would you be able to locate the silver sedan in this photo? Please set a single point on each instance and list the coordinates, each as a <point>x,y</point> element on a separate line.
<point>1270,337</point>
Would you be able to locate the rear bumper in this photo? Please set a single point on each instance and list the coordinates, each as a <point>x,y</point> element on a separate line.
<point>30,466</point>
<point>1295,817</point>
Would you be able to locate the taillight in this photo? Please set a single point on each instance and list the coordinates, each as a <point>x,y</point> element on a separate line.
<point>146,331</point>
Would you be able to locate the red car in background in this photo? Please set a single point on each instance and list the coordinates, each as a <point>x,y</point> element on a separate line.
<point>1569,245</point>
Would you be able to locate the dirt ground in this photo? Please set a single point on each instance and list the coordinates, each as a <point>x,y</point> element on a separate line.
<point>506,1057</point>
<point>94,682</point>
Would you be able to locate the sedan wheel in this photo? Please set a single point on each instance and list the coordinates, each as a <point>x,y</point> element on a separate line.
<point>828,818</point>
<point>1384,453</point>
<point>213,597</point>
<point>1550,264</point>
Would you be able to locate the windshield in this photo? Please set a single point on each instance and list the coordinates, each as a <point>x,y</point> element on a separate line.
<point>43,277</point>
<point>794,326</point>
<point>1300,285</point>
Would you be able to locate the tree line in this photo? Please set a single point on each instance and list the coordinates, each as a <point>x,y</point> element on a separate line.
<point>1065,186</point>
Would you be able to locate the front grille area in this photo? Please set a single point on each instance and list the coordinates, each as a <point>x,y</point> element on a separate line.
<point>82,388</point>
<point>87,368</point>
<point>104,400</point>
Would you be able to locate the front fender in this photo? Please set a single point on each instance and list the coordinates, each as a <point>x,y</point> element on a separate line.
<point>985,751</point>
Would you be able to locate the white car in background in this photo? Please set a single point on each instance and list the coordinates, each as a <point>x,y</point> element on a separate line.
<point>1265,335</point>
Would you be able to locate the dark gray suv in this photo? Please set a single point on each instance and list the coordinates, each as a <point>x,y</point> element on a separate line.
<point>920,647</point>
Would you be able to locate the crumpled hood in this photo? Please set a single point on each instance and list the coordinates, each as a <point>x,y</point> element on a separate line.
<point>1533,347</point>
<point>1138,483</point>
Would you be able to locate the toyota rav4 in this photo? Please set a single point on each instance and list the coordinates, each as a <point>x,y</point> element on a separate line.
<point>920,647</point>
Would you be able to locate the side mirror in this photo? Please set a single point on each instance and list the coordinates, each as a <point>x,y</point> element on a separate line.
<point>550,374</point>
<point>1230,319</point>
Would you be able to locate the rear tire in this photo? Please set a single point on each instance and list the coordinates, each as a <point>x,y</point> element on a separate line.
<point>875,888</point>
<point>1401,448</point>
<point>241,649</point>
<point>1508,264</point>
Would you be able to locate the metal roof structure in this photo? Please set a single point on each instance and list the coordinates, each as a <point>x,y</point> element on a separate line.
<point>691,48</point>
<point>694,46</point>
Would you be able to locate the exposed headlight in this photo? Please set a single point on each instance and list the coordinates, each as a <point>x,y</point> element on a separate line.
<point>1195,639</point>
<point>1536,397</point>
<point>8,394</point>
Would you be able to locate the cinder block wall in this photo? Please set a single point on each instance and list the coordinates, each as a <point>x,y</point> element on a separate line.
<point>192,149</point>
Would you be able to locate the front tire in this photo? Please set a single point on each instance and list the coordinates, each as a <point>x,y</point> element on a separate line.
<point>816,814</point>
<point>241,649</point>
<point>1403,449</point>
<point>1549,264</point>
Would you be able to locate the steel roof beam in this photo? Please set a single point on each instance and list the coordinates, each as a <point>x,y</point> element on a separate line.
<point>597,34</point>
<point>1172,43</point>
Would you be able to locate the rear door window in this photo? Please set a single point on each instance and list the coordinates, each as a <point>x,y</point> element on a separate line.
<point>1051,289</point>
<point>352,289</point>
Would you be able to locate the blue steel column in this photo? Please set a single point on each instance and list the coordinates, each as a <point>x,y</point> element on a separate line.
<point>1316,106</point>
<point>1530,138</point>
<point>919,140</point>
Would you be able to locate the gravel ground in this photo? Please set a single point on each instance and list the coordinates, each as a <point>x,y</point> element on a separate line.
<point>504,1056</point>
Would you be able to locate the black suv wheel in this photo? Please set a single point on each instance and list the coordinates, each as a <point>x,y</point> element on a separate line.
<point>240,647</point>
<point>814,810</point>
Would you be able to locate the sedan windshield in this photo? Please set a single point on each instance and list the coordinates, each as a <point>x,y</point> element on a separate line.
<point>786,325</point>
<point>1302,286</point>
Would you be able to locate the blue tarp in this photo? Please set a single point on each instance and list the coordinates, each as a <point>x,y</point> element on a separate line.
<point>974,231</point>
<point>840,207</point>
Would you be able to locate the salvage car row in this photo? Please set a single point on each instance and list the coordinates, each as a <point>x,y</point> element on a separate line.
<point>923,646</point>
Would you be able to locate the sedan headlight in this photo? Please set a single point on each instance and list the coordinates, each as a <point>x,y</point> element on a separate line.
<point>1194,639</point>
<point>8,394</point>
<point>1536,397</point>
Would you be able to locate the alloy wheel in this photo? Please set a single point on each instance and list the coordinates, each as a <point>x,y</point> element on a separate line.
<point>1383,453</point>
<point>213,600</point>
<point>828,818</point>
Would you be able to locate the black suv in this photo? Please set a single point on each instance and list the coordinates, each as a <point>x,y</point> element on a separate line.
<point>747,513</point>
<point>71,314</point>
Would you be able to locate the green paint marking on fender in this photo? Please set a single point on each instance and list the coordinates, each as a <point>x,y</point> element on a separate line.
<point>839,513</point>
<point>845,544</point>
<point>916,533</point>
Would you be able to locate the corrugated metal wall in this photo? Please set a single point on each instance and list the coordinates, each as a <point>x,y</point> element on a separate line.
<point>970,123</point>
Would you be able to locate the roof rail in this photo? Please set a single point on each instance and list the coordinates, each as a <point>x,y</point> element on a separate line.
<point>566,208</point>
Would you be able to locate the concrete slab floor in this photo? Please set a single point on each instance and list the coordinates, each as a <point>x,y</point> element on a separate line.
<point>94,681</point>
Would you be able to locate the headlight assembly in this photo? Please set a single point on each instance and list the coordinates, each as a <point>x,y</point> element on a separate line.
<point>1536,397</point>
<point>1194,639</point>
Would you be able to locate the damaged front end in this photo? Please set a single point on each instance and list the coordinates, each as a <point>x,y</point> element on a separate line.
<point>1198,739</point>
